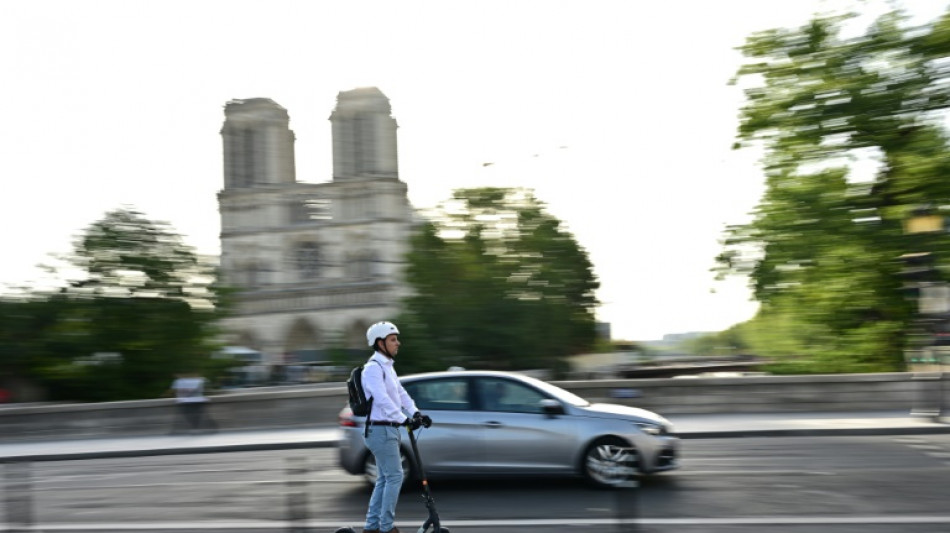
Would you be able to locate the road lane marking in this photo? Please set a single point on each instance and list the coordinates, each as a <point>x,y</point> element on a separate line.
<point>56,485</point>
<point>690,473</point>
<point>509,523</point>
<point>927,447</point>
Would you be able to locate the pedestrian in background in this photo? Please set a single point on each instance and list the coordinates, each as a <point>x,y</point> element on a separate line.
<point>192,403</point>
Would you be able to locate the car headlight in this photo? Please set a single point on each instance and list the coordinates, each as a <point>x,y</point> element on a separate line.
<point>650,429</point>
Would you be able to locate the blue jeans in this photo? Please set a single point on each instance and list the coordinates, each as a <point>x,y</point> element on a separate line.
<point>383,442</point>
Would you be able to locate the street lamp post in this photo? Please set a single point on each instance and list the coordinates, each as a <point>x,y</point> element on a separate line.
<point>927,350</point>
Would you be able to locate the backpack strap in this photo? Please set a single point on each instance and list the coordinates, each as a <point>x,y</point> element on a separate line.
<point>370,410</point>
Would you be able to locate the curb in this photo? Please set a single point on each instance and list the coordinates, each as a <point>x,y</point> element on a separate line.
<point>182,450</point>
<point>814,432</point>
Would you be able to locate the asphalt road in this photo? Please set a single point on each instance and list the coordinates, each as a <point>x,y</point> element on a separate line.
<point>871,484</point>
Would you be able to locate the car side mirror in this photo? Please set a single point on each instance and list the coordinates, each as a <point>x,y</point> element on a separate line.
<point>551,407</point>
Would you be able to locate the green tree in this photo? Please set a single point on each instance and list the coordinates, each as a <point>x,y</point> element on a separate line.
<point>498,283</point>
<point>822,249</point>
<point>125,254</point>
<point>33,333</point>
<point>143,307</point>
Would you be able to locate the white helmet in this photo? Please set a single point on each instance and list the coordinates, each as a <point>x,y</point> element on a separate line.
<point>380,330</point>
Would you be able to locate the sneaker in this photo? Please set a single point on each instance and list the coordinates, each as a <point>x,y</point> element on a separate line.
<point>393,530</point>
<point>370,531</point>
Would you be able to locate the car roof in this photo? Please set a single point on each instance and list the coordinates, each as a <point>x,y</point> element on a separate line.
<point>548,388</point>
<point>466,373</point>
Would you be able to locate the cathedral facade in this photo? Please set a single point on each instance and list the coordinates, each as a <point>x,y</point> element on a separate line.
<point>314,263</point>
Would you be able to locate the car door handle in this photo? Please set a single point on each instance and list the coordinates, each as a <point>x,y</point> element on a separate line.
<point>493,424</point>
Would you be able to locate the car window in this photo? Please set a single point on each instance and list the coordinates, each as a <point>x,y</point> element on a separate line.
<point>508,396</point>
<point>440,394</point>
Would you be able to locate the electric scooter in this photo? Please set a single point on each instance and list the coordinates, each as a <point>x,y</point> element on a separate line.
<point>433,520</point>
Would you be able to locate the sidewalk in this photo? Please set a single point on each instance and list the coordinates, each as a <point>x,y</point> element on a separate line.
<point>715,426</point>
<point>709,426</point>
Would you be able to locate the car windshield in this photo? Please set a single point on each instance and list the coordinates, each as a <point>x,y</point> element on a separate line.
<point>558,392</point>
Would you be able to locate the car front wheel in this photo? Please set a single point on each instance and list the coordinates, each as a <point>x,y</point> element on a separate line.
<point>610,462</point>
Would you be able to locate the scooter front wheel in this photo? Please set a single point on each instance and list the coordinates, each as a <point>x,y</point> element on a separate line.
<point>345,530</point>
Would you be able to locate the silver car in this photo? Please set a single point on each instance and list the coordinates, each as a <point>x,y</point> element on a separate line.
<point>500,423</point>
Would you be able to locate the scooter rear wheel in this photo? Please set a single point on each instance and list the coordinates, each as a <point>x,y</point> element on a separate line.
<point>345,530</point>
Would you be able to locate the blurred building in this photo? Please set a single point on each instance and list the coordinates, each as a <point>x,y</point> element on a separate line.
<point>315,263</point>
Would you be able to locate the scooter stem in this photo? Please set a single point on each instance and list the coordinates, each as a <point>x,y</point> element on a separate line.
<point>433,519</point>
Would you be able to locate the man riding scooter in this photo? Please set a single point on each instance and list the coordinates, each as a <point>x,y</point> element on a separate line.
<point>391,405</point>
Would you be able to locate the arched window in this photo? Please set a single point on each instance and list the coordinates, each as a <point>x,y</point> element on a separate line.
<point>307,259</point>
<point>363,265</point>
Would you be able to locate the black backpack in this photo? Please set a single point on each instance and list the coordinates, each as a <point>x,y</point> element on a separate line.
<point>354,386</point>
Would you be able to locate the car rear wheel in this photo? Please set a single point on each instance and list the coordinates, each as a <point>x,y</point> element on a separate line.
<point>371,471</point>
<point>610,462</point>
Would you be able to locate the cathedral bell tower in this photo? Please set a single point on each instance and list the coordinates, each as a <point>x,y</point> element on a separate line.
<point>364,136</point>
<point>258,144</point>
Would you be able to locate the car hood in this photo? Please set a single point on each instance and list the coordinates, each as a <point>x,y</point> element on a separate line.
<point>612,410</point>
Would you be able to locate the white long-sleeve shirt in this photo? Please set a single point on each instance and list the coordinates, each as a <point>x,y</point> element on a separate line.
<point>391,402</point>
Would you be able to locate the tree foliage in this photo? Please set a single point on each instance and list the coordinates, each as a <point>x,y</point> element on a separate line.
<point>143,308</point>
<point>822,249</point>
<point>125,254</point>
<point>498,283</point>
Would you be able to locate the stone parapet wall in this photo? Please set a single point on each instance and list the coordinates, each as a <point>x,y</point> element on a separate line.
<point>319,405</point>
<point>756,394</point>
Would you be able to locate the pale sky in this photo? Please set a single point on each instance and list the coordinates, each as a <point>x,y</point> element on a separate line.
<point>617,113</point>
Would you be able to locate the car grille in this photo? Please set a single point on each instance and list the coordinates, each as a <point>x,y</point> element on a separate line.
<point>666,458</point>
